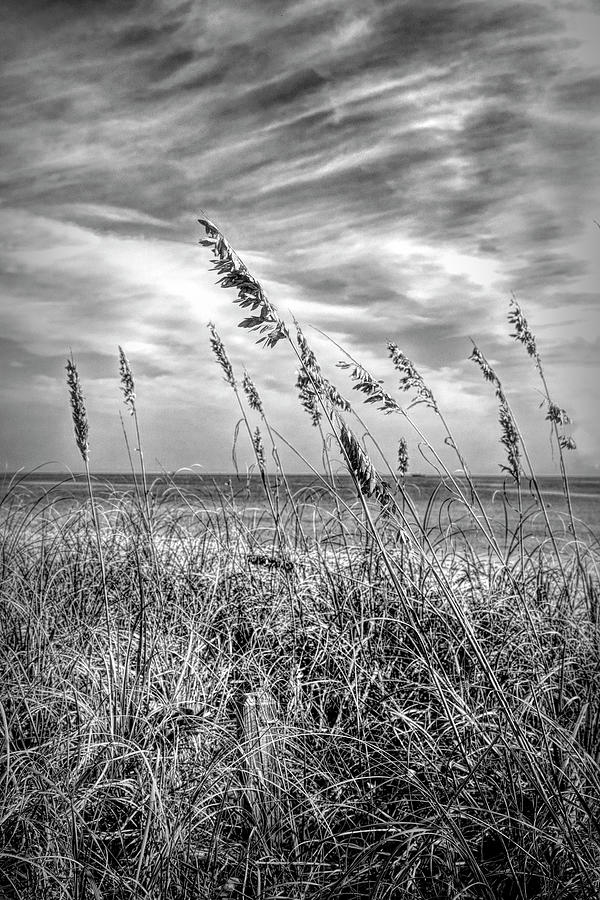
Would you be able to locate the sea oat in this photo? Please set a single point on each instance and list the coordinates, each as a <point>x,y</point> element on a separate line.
<point>558,415</point>
<point>365,383</point>
<point>259,449</point>
<point>127,382</point>
<point>313,383</point>
<point>555,413</point>
<point>360,465</point>
<point>410,379</point>
<point>522,332</point>
<point>252,394</point>
<point>487,371</point>
<point>333,396</point>
<point>309,360</point>
<point>402,457</point>
<point>218,348</point>
<point>358,461</point>
<point>307,378</point>
<point>567,442</point>
<point>80,421</point>
<point>251,295</point>
<point>509,437</point>
<point>307,396</point>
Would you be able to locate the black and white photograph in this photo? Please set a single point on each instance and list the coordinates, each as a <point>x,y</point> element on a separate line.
<point>299,450</point>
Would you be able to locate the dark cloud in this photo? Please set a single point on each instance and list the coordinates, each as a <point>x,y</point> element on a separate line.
<point>171,63</point>
<point>142,37</point>
<point>295,88</point>
<point>578,92</point>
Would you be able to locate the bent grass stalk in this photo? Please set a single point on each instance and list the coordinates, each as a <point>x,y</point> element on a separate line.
<point>512,438</point>
<point>555,414</point>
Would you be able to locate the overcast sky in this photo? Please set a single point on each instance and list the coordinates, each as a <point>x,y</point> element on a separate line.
<point>388,170</point>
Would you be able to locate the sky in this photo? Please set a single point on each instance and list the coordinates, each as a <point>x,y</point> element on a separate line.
<point>389,170</point>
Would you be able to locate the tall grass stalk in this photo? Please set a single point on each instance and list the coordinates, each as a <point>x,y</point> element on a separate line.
<point>81,430</point>
<point>512,438</point>
<point>129,399</point>
<point>554,414</point>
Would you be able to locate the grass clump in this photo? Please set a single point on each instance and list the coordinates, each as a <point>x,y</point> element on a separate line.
<point>349,696</point>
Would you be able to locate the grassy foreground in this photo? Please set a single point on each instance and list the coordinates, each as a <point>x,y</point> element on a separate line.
<point>195,708</point>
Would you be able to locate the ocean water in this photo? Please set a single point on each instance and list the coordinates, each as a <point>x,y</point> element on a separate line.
<point>438,505</point>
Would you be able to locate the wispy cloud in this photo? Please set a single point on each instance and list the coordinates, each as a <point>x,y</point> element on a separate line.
<point>389,170</point>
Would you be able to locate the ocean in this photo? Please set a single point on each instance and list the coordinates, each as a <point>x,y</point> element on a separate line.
<point>434,502</point>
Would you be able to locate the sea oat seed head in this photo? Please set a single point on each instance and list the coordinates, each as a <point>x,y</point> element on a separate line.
<point>510,439</point>
<point>557,415</point>
<point>312,381</point>
<point>252,394</point>
<point>411,379</point>
<point>250,294</point>
<point>402,457</point>
<point>218,349</point>
<point>365,383</point>
<point>358,461</point>
<point>567,442</point>
<point>127,382</point>
<point>522,332</point>
<point>259,449</point>
<point>487,371</point>
<point>78,410</point>
<point>307,396</point>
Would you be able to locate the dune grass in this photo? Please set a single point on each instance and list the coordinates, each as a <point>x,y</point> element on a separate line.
<point>332,700</point>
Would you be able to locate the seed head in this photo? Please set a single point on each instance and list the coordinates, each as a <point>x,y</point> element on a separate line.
<point>366,384</point>
<point>557,415</point>
<point>250,294</point>
<point>78,410</point>
<point>259,449</point>
<point>312,383</point>
<point>221,355</point>
<point>487,371</point>
<point>402,457</point>
<point>127,382</point>
<point>308,397</point>
<point>358,461</point>
<point>509,433</point>
<point>361,467</point>
<point>309,360</point>
<point>522,332</point>
<point>410,379</point>
<point>567,442</point>
<point>510,439</point>
<point>252,394</point>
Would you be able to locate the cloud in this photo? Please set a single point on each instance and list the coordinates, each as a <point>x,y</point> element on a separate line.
<point>393,170</point>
